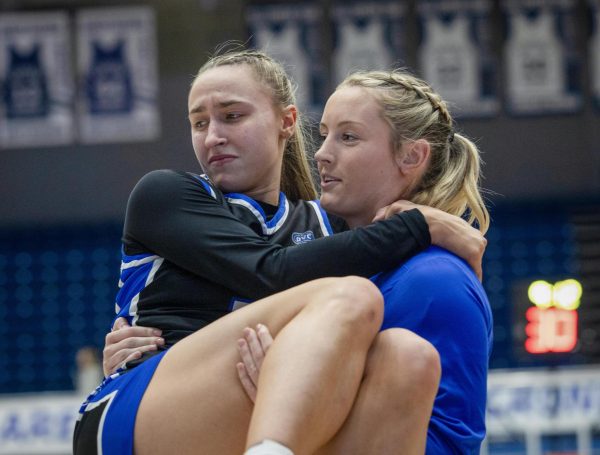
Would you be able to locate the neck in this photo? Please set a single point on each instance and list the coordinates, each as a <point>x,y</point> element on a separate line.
<point>270,196</point>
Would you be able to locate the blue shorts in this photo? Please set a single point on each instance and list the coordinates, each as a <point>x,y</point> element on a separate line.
<point>108,415</point>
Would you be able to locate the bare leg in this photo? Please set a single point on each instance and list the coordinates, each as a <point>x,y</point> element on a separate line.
<point>392,411</point>
<point>328,343</point>
<point>196,404</point>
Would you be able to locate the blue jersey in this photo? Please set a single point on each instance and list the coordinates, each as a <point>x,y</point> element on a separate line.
<point>436,295</point>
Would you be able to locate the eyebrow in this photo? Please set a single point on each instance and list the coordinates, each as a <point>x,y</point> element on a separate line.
<point>343,123</point>
<point>222,104</point>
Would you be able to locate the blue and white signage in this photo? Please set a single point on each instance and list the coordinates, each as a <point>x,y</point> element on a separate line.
<point>543,400</point>
<point>118,75</point>
<point>38,423</point>
<point>36,87</point>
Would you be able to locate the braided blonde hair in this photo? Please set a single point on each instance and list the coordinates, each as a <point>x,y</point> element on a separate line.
<point>414,111</point>
<point>296,180</point>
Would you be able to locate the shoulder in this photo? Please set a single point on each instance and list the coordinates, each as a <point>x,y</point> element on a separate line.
<point>438,287</point>
<point>436,274</point>
<point>162,178</point>
<point>434,264</point>
<point>165,183</point>
<point>164,191</point>
<point>436,260</point>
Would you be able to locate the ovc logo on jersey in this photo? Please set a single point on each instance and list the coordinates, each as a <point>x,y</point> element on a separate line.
<point>302,237</point>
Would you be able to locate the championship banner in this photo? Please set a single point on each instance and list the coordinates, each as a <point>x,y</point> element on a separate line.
<point>36,86</point>
<point>291,34</point>
<point>455,56</point>
<point>540,57</point>
<point>368,36</point>
<point>594,51</point>
<point>118,75</point>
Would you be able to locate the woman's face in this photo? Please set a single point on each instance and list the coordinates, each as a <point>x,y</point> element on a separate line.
<point>357,163</point>
<point>237,134</point>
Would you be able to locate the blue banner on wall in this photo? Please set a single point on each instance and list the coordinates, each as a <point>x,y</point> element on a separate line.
<point>291,34</point>
<point>367,36</point>
<point>36,87</point>
<point>118,75</point>
<point>455,55</point>
<point>540,57</point>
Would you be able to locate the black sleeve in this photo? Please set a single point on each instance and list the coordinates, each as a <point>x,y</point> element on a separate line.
<point>173,216</point>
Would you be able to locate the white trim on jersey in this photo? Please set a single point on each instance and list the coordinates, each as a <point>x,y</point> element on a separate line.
<point>207,184</point>
<point>135,263</point>
<point>133,308</point>
<point>317,210</point>
<point>110,397</point>
<point>259,216</point>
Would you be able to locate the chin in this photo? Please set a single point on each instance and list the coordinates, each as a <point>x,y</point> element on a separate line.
<point>330,206</point>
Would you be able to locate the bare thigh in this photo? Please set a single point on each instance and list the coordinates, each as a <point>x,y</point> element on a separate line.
<point>195,402</point>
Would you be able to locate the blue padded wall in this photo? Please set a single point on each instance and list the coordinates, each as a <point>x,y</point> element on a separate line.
<point>57,289</point>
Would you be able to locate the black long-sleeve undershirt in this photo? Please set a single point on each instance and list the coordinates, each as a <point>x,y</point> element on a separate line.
<point>171,214</point>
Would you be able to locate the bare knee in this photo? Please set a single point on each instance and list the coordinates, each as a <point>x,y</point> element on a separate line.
<point>354,301</point>
<point>406,365</point>
<point>422,362</point>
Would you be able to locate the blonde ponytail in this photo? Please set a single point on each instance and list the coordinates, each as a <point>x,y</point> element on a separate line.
<point>414,111</point>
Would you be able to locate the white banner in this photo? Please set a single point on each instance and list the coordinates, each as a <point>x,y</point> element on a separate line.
<point>543,401</point>
<point>541,58</point>
<point>368,36</point>
<point>455,55</point>
<point>290,33</point>
<point>36,86</point>
<point>38,423</point>
<point>118,75</point>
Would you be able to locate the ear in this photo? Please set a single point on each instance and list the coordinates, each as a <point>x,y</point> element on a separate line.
<point>413,156</point>
<point>289,117</point>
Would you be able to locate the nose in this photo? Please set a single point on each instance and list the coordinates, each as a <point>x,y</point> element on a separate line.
<point>214,135</point>
<point>323,155</point>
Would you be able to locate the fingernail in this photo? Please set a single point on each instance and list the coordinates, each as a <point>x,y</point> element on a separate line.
<point>160,341</point>
<point>157,332</point>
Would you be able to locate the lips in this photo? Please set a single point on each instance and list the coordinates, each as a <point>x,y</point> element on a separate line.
<point>221,159</point>
<point>328,180</point>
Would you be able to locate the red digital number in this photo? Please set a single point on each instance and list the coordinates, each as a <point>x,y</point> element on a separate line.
<point>550,330</point>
